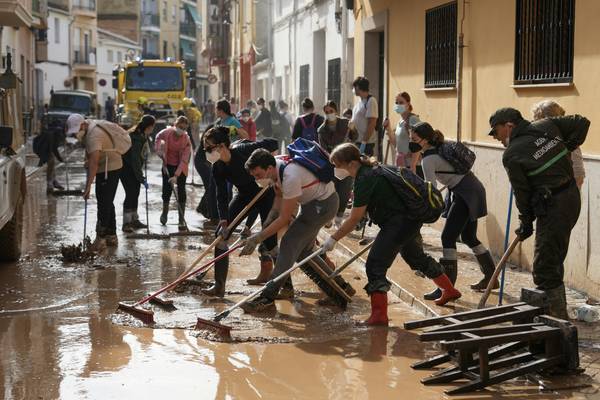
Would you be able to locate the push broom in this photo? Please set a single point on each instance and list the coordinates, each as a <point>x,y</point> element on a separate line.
<point>67,191</point>
<point>355,257</point>
<point>499,268</point>
<point>147,316</point>
<point>224,330</point>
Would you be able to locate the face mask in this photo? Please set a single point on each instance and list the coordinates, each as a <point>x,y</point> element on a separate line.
<point>179,131</point>
<point>414,147</point>
<point>263,182</point>
<point>260,107</point>
<point>354,92</point>
<point>213,156</point>
<point>245,119</point>
<point>400,108</point>
<point>341,173</point>
<point>331,117</point>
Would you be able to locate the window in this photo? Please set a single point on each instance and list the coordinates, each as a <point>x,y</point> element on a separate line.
<point>544,41</point>
<point>174,13</point>
<point>440,46</point>
<point>304,77</point>
<point>164,12</point>
<point>334,80</point>
<point>165,46</point>
<point>119,56</point>
<point>56,30</point>
<point>110,56</point>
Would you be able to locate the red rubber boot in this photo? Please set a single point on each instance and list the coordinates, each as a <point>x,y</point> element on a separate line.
<point>379,305</point>
<point>449,292</point>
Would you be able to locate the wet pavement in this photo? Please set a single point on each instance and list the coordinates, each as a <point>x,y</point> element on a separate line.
<point>61,337</point>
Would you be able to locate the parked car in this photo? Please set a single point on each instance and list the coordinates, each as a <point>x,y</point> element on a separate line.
<point>66,102</point>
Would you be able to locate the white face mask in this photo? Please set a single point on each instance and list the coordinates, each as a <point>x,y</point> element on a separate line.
<point>179,131</point>
<point>331,117</point>
<point>341,173</point>
<point>213,156</point>
<point>264,182</point>
<point>245,119</point>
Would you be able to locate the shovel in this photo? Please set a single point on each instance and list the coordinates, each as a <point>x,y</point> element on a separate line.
<point>499,268</point>
<point>224,330</point>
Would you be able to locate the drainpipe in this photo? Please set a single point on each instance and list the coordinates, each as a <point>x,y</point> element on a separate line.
<point>459,73</point>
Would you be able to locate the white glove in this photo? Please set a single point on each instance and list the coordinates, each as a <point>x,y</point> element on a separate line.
<point>173,180</point>
<point>329,244</point>
<point>251,244</point>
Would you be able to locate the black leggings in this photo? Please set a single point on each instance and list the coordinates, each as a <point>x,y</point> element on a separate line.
<point>167,189</point>
<point>132,188</point>
<point>459,223</point>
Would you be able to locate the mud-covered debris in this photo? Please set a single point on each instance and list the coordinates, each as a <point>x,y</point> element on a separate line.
<point>77,252</point>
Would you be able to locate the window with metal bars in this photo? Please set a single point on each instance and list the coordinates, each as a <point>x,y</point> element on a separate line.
<point>304,77</point>
<point>544,41</point>
<point>440,46</point>
<point>334,80</point>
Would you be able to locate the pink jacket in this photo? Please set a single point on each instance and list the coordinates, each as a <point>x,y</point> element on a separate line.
<point>175,151</point>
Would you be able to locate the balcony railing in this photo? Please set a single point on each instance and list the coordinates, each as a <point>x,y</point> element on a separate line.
<point>81,56</point>
<point>187,29</point>
<point>84,5</point>
<point>150,20</point>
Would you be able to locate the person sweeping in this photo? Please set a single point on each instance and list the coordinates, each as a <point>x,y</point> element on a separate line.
<point>399,232</point>
<point>132,175</point>
<point>173,145</point>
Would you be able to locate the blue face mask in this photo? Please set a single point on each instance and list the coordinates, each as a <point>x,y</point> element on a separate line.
<point>400,108</point>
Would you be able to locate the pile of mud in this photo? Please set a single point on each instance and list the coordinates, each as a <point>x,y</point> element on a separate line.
<point>77,253</point>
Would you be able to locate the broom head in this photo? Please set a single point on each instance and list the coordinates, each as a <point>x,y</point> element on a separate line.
<point>146,316</point>
<point>207,324</point>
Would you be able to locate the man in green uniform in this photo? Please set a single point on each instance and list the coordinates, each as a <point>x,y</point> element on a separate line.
<point>539,168</point>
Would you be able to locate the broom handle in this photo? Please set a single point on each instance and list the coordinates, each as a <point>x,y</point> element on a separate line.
<point>184,277</point>
<point>146,187</point>
<point>351,260</point>
<point>281,277</point>
<point>236,220</point>
<point>499,268</point>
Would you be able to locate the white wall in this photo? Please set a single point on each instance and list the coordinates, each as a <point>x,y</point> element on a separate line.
<point>105,65</point>
<point>56,69</point>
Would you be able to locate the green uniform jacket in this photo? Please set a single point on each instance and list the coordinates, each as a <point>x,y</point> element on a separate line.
<point>134,157</point>
<point>537,157</point>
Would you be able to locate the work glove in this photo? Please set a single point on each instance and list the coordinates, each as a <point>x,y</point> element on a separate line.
<point>329,244</point>
<point>251,243</point>
<point>363,147</point>
<point>524,230</point>
<point>222,229</point>
<point>173,180</point>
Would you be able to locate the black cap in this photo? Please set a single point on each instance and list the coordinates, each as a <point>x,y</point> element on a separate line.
<point>423,129</point>
<point>502,116</point>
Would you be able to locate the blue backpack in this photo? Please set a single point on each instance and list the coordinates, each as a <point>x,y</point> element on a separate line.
<point>309,132</point>
<point>311,156</point>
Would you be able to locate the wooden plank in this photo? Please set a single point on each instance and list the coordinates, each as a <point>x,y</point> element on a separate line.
<point>461,316</point>
<point>521,313</point>
<point>456,333</point>
<point>432,362</point>
<point>539,333</point>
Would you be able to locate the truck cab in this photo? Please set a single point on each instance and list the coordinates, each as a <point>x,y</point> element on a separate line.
<point>66,102</point>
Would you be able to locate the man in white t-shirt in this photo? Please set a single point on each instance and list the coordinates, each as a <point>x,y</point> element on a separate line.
<point>294,185</point>
<point>364,116</point>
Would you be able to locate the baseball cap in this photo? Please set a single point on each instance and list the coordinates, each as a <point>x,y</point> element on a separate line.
<point>74,123</point>
<point>502,116</point>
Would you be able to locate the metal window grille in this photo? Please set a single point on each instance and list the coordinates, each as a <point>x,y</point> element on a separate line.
<point>544,41</point>
<point>304,79</point>
<point>334,80</point>
<point>440,46</point>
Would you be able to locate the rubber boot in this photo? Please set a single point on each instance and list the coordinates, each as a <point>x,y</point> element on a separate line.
<point>165,213</point>
<point>136,223</point>
<point>127,218</point>
<point>449,292</point>
<point>557,302</point>
<point>287,290</point>
<point>450,268</point>
<point>57,185</point>
<point>181,212</point>
<point>221,270</point>
<point>487,267</point>
<point>379,303</point>
<point>266,268</point>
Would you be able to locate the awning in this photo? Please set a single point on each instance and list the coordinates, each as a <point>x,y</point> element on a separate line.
<point>187,48</point>
<point>194,13</point>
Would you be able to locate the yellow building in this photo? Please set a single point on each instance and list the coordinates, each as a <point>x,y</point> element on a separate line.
<point>169,28</point>
<point>514,55</point>
<point>84,32</point>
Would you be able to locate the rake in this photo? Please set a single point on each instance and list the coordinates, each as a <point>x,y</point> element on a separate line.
<point>147,316</point>
<point>224,330</point>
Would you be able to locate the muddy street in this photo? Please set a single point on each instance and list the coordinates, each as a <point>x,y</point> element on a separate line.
<point>61,337</point>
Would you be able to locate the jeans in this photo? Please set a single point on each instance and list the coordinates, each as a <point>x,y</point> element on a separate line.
<point>131,185</point>
<point>167,189</point>
<point>106,189</point>
<point>299,240</point>
<point>398,235</point>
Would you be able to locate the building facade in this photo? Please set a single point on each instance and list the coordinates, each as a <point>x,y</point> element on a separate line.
<point>507,60</point>
<point>83,44</point>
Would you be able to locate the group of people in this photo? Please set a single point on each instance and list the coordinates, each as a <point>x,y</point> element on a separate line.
<point>237,156</point>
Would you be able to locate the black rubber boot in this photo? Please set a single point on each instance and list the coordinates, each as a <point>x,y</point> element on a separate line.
<point>450,268</point>
<point>221,270</point>
<point>165,213</point>
<point>181,212</point>
<point>557,302</point>
<point>287,290</point>
<point>487,267</point>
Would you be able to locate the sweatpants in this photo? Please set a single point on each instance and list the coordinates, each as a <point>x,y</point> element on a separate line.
<point>298,242</point>
<point>398,235</point>
<point>106,189</point>
<point>166,186</point>
<point>131,185</point>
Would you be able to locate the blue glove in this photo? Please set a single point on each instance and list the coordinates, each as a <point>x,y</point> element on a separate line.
<point>363,147</point>
<point>145,183</point>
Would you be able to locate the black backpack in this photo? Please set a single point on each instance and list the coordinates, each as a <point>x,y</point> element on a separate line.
<point>458,155</point>
<point>422,200</point>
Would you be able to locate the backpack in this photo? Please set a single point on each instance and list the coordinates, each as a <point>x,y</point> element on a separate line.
<point>423,201</point>
<point>309,132</point>
<point>458,155</point>
<point>312,157</point>
<point>118,136</point>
